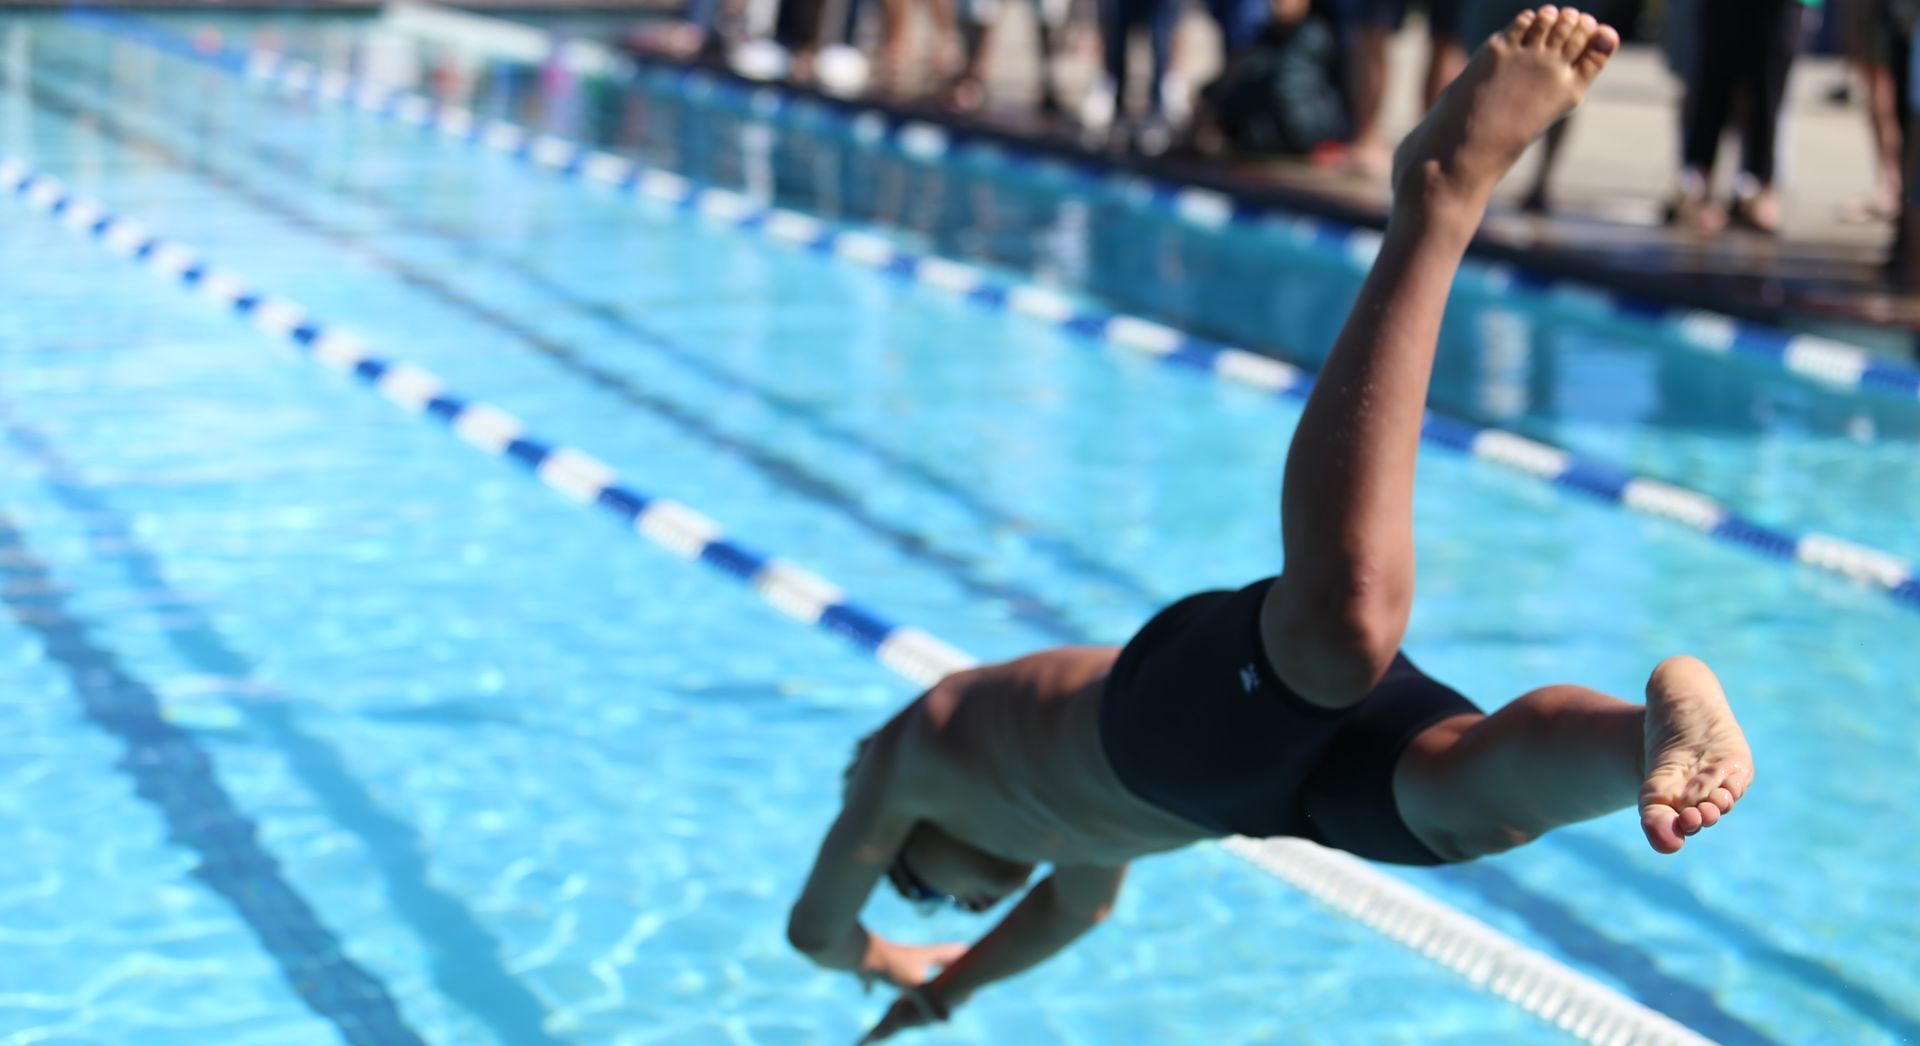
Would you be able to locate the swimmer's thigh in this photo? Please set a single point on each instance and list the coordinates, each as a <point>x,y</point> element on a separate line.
<point>1360,796</point>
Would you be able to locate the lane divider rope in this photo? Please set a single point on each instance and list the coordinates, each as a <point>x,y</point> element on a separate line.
<point>1827,361</point>
<point>1482,955</point>
<point>930,140</point>
<point>571,472</point>
<point>1595,478</point>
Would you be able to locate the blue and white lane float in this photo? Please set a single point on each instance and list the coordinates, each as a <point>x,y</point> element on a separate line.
<point>1827,361</point>
<point>796,592</point>
<point>1592,477</point>
<point>1487,958</point>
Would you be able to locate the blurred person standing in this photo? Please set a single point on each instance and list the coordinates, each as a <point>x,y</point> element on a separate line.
<point>1370,26</point>
<point>896,16</point>
<point>1905,263</point>
<point>1879,45</point>
<point>1107,104</point>
<point>1741,50</point>
<point>979,20</point>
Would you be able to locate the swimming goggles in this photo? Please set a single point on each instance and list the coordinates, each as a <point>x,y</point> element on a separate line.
<point>919,893</point>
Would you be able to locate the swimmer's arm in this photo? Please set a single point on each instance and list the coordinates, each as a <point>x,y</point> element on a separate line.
<point>1051,916</point>
<point>872,826</point>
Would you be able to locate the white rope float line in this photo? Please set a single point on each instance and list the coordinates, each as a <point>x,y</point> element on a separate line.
<point>1486,958</point>
<point>1832,554</point>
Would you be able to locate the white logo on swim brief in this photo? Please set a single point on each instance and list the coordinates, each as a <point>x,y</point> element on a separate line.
<point>1249,679</point>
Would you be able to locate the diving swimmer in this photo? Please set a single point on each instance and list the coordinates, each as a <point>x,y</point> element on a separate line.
<point>1286,707</point>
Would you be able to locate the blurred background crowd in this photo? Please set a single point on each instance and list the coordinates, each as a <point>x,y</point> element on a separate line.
<point>1260,81</point>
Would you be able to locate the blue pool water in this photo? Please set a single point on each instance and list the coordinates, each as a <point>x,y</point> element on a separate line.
<point>328,725</point>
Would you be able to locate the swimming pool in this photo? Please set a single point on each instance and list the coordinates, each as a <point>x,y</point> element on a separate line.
<point>486,767</point>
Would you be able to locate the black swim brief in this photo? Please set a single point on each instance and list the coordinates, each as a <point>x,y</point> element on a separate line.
<point>1196,722</point>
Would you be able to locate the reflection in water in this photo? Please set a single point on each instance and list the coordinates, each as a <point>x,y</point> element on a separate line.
<point>1506,355</point>
<point>17,46</point>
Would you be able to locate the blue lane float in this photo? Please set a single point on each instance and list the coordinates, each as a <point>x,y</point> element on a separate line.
<point>1594,478</point>
<point>1488,959</point>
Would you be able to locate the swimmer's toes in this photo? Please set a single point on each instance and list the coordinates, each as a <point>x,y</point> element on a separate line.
<point>1688,820</point>
<point>1562,29</point>
<point>1709,815</point>
<point>1581,36</point>
<point>1534,33</point>
<point>1661,826</point>
<point>1599,49</point>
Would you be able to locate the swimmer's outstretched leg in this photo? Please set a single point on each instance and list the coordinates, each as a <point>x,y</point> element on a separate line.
<point>1477,785</point>
<point>1472,784</point>
<point>1333,622</point>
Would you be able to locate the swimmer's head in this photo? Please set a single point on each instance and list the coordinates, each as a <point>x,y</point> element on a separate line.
<point>934,870</point>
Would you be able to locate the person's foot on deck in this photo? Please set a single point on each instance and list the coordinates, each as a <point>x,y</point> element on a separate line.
<point>1367,160</point>
<point>1522,80</point>
<point>1698,763</point>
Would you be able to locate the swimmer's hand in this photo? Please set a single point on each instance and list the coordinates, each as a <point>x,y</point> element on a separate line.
<point>917,1007</point>
<point>905,965</point>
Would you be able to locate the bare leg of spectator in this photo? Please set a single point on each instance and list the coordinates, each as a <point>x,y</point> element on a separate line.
<point>1444,62</point>
<point>1446,52</point>
<point>893,46</point>
<point>1368,82</point>
<point>1539,198</point>
<point>967,91</point>
<point>945,18</point>
<point>1871,58</point>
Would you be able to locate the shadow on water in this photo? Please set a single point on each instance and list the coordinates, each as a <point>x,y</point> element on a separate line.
<point>179,777</point>
<point>171,771</point>
<point>1755,948</point>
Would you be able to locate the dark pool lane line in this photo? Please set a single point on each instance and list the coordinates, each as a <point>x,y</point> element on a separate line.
<point>465,962</point>
<point>173,773</point>
<point>1022,605</point>
<point>1548,916</point>
<point>1755,947</point>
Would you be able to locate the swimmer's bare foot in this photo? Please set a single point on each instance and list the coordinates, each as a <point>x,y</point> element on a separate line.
<point>1698,763</point>
<point>1523,79</point>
